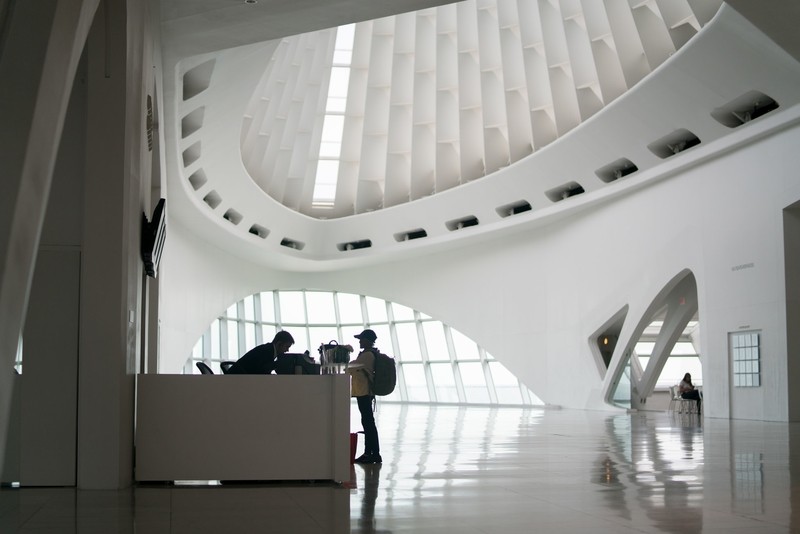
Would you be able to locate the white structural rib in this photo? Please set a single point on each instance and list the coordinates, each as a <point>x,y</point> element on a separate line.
<point>448,95</point>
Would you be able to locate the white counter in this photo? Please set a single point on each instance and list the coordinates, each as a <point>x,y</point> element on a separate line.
<point>243,427</point>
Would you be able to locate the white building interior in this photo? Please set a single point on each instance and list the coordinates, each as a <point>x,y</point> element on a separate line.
<point>549,210</point>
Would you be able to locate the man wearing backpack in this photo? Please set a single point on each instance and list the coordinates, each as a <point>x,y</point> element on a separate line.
<point>362,378</point>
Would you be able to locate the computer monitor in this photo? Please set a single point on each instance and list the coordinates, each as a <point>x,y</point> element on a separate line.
<point>296,364</point>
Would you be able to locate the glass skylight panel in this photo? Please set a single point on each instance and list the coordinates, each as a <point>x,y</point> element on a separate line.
<point>331,144</point>
<point>330,149</point>
<point>343,49</point>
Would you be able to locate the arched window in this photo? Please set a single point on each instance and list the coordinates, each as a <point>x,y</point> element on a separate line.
<point>436,363</point>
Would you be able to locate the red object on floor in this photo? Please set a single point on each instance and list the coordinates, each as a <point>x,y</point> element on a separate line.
<point>353,446</point>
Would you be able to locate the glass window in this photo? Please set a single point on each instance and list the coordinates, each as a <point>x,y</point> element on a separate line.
<point>215,340</point>
<point>416,385</point>
<point>683,348</point>
<point>376,310</point>
<point>384,341</point>
<point>338,317</point>
<point>249,308</point>
<point>435,341</point>
<point>444,382</point>
<point>233,340</point>
<point>249,336</point>
<point>402,313</point>
<point>292,307</point>
<point>268,332</point>
<point>466,349</point>
<point>319,335</point>
<point>506,384</point>
<point>474,382</point>
<point>320,307</point>
<point>267,308</point>
<point>350,308</point>
<point>644,348</point>
<point>409,342</point>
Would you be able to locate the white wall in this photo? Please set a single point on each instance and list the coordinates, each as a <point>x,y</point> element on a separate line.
<point>534,297</point>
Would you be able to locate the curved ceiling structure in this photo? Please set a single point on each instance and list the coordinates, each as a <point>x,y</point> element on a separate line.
<point>547,144</point>
<point>433,99</point>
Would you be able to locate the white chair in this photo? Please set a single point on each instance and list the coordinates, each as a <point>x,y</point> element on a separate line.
<point>683,405</point>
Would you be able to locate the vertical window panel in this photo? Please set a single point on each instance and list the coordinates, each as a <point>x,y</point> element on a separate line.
<point>215,340</point>
<point>409,342</point>
<point>267,308</point>
<point>376,310</point>
<point>444,382</point>
<point>506,384</point>
<point>249,308</point>
<point>233,340</point>
<point>474,382</point>
<point>350,308</point>
<point>249,336</point>
<point>466,349</point>
<point>324,334</point>
<point>320,307</point>
<point>416,384</point>
<point>293,309</point>
<point>402,313</point>
<point>435,341</point>
<point>268,332</point>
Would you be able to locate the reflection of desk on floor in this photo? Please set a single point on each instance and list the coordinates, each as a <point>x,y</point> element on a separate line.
<point>243,427</point>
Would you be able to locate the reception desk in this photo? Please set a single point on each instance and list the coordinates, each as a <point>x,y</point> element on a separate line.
<point>243,427</point>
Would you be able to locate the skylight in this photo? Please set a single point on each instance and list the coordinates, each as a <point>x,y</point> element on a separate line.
<point>330,148</point>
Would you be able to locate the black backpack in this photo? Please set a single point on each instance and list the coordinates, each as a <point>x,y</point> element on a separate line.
<point>385,378</point>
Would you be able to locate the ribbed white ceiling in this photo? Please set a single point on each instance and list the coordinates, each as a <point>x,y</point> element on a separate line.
<point>447,95</point>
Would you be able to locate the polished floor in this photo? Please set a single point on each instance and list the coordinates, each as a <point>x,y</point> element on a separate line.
<point>481,470</point>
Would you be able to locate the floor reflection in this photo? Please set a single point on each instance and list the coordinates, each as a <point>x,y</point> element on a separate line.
<point>481,470</point>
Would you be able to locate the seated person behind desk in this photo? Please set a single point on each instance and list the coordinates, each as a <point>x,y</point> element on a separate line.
<point>262,359</point>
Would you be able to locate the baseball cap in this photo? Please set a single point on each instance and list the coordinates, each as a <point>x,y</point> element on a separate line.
<point>367,334</point>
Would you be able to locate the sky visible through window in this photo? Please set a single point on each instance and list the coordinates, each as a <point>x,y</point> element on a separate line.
<point>333,124</point>
<point>436,363</point>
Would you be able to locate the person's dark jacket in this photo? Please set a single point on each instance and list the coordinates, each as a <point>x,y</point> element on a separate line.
<point>258,361</point>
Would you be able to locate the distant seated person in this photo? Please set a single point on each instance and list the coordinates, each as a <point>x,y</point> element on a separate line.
<point>688,391</point>
<point>262,359</point>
